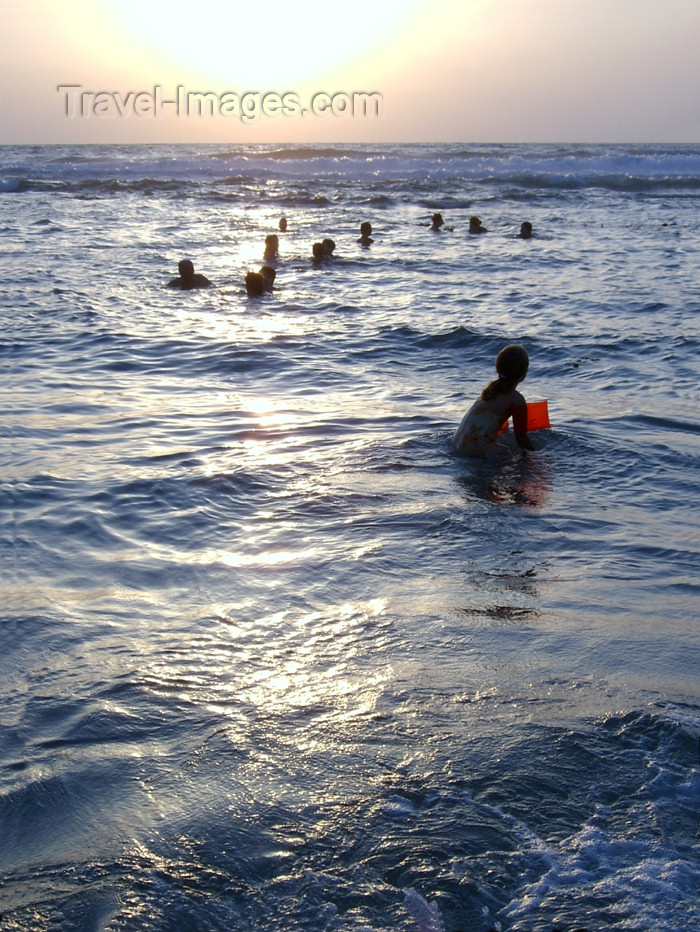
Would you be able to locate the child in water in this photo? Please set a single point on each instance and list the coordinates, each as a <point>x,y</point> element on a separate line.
<point>476,435</point>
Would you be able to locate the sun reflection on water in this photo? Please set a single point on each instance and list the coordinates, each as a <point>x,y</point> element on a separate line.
<point>263,558</point>
<point>287,668</point>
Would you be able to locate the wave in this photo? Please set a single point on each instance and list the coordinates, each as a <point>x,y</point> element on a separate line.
<point>95,170</point>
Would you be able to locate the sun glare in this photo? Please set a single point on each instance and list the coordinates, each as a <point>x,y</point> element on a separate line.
<point>260,47</point>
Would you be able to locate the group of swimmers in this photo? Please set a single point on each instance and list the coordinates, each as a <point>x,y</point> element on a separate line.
<point>476,226</point>
<point>257,283</point>
<point>477,434</point>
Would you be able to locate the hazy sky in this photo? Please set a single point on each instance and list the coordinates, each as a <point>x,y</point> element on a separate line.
<point>447,70</point>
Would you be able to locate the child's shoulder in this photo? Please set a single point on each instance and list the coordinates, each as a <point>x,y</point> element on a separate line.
<point>507,401</point>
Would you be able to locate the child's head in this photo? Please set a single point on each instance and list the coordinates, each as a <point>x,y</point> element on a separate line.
<point>512,363</point>
<point>254,284</point>
<point>269,275</point>
<point>186,268</point>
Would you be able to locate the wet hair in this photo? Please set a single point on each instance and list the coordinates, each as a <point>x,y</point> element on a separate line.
<point>283,224</point>
<point>366,228</point>
<point>186,268</point>
<point>317,250</point>
<point>272,244</point>
<point>437,220</point>
<point>512,364</point>
<point>254,284</point>
<point>328,247</point>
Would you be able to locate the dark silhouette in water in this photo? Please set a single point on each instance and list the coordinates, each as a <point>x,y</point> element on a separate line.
<point>476,226</point>
<point>254,285</point>
<point>188,278</point>
<point>525,230</point>
<point>269,275</point>
<point>365,234</point>
<point>477,434</point>
<point>328,247</point>
<point>437,224</point>
<point>272,245</point>
<point>283,225</point>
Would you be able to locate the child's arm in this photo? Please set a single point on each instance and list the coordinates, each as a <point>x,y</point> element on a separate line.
<point>519,414</point>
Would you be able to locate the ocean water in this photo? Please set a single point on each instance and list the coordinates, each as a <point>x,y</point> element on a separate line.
<point>274,657</point>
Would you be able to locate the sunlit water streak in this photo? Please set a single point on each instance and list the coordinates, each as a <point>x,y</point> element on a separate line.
<point>273,656</point>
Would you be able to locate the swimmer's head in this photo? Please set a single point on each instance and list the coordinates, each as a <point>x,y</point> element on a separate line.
<point>269,274</point>
<point>186,268</point>
<point>512,363</point>
<point>366,228</point>
<point>317,250</point>
<point>437,220</point>
<point>328,247</point>
<point>283,225</point>
<point>254,284</point>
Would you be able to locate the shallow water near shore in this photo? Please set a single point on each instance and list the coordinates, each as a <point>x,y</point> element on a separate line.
<point>274,657</point>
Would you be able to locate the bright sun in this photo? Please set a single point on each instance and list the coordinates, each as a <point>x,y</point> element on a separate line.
<point>259,46</point>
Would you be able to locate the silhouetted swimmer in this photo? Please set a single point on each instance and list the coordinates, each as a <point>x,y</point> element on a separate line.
<point>328,247</point>
<point>283,225</point>
<point>254,284</point>
<point>478,432</point>
<point>269,275</point>
<point>272,245</point>
<point>188,277</point>
<point>365,234</point>
<point>317,253</point>
<point>525,230</point>
<point>476,226</point>
<point>437,224</point>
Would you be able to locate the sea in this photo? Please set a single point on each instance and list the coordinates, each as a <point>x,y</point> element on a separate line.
<point>274,657</point>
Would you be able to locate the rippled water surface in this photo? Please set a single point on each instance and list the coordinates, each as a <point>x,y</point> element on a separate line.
<point>273,656</point>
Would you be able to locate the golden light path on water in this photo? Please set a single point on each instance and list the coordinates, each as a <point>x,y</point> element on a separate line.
<point>312,663</point>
